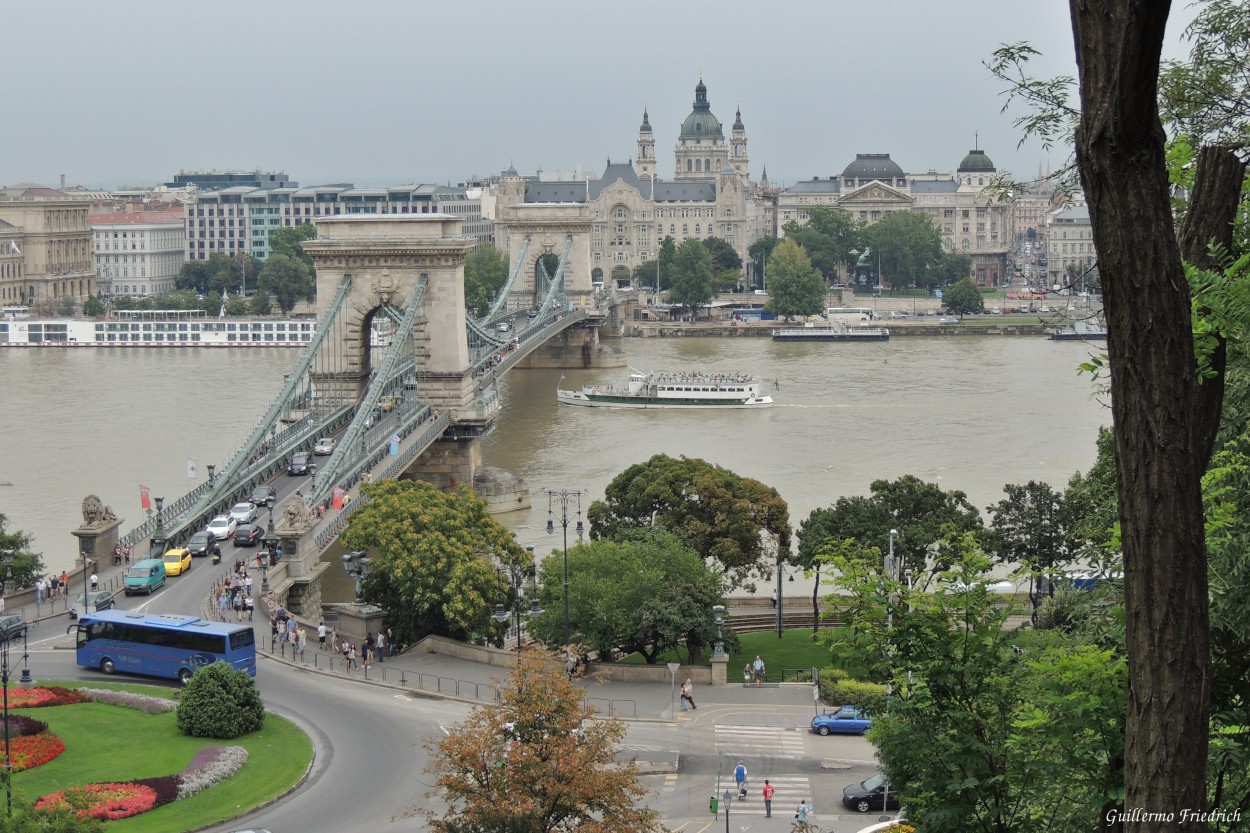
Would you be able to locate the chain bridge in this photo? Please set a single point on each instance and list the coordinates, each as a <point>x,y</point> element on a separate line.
<point>409,397</point>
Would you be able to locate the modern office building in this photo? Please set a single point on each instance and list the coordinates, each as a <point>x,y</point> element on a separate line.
<point>138,253</point>
<point>218,180</point>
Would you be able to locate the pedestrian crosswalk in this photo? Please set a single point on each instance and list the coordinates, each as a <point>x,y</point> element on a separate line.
<point>790,790</point>
<point>758,741</point>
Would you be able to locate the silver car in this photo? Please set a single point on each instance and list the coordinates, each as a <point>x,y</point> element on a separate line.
<point>243,513</point>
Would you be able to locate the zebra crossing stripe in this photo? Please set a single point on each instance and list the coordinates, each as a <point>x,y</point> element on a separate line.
<point>790,790</point>
<point>755,740</point>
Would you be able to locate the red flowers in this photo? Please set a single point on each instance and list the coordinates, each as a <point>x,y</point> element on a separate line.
<point>31,751</point>
<point>30,698</point>
<point>101,801</point>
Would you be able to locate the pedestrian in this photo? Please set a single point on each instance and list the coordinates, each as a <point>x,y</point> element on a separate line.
<point>301,640</point>
<point>747,674</point>
<point>334,638</point>
<point>390,640</point>
<point>40,590</point>
<point>774,599</point>
<point>570,665</point>
<point>291,626</point>
<point>95,582</point>
<point>687,694</point>
<point>321,635</point>
<point>740,778</point>
<point>768,799</point>
<point>54,584</point>
<point>758,667</point>
<point>238,607</point>
<point>247,583</point>
<point>64,583</point>
<point>250,605</point>
<point>380,642</point>
<point>803,811</point>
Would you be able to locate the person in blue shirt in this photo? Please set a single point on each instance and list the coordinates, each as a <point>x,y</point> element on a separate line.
<point>740,778</point>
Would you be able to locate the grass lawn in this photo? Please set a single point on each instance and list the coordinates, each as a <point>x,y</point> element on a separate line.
<point>108,743</point>
<point>795,650</point>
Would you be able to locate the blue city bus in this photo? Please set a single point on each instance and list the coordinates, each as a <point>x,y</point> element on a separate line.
<point>162,644</point>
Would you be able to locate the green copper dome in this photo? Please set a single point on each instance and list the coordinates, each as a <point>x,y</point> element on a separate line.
<point>701,122</point>
<point>873,166</point>
<point>976,162</point>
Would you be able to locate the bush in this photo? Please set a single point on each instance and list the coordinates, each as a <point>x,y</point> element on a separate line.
<point>837,688</point>
<point>220,702</point>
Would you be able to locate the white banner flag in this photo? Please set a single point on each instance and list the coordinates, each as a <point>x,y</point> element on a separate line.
<point>192,473</point>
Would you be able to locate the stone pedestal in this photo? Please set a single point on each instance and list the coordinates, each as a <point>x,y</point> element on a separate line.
<point>720,667</point>
<point>448,464</point>
<point>355,620</point>
<point>303,597</point>
<point>96,542</point>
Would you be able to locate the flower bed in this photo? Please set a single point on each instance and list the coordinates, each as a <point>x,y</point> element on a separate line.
<point>210,766</point>
<point>33,698</point>
<point>129,700</point>
<point>31,751</point>
<point>107,802</point>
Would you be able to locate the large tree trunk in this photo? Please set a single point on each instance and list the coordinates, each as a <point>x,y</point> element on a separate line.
<point>1120,151</point>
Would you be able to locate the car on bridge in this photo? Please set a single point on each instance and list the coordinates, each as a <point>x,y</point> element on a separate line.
<point>504,326</point>
<point>243,513</point>
<point>324,446</point>
<point>221,527</point>
<point>387,403</point>
<point>533,313</point>
<point>264,495</point>
<point>848,720</point>
<point>299,463</point>
<point>201,543</point>
<point>177,561</point>
<point>248,535</point>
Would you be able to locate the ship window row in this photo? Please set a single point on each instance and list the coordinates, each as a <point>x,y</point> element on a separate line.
<point>702,390</point>
<point>208,327</point>
<point>154,337</point>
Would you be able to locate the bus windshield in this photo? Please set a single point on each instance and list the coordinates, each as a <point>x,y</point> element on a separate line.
<point>162,645</point>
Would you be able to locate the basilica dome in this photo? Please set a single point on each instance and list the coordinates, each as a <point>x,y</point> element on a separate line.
<point>701,123</point>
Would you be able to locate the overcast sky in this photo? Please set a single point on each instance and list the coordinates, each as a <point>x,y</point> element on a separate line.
<point>394,91</point>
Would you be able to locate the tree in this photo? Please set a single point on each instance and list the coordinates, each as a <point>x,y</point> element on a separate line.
<point>648,594</point>
<point>433,558</point>
<point>27,566</point>
<point>963,298</point>
<point>1166,416</point>
<point>1027,529</point>
<point>794,287</point>
<point>741,523</point>
<point>725,257</point>
<point>924,515</point>
<point>828,237</point>
<point>951,267</point>
<point>485,273</point>
<point>907,245</point>
<point>288,280</point>
<point>220,702</point>
<point>288,241</point>
<point>760,251</point>
<point>692,283</point>
<point>665,261</point>
<point>644,274</point>
<point>536,763</point>
<point>93,307</point>
<point>852,518</point>
<point>259,304</point>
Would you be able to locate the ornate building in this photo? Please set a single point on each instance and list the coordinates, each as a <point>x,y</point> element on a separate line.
<point>53,233</point>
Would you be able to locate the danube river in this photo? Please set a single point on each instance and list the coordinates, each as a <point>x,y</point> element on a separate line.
<point>968,412</point>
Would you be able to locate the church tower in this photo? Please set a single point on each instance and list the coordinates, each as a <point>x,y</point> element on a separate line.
<point>701,152</point>
<point>738,148</point>
<point>646,148</point>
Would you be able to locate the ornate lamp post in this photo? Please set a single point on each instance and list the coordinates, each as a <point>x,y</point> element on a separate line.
<point>565,498</point>
<point>501,615</point>
<point>718,616</point>
<point>212,473</point>
<point>11,627</point>
<point>358,568</point>
<point>270,543</point>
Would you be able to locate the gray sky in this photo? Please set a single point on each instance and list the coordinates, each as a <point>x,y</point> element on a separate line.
<point>393,91</point>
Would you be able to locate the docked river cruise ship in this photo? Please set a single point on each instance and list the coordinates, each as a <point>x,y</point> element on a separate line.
<point>156,329</point>
<point>672,390</point>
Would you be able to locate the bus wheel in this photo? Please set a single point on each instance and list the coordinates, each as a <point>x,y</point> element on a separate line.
<point>184,675</point>
<point>107,666</point>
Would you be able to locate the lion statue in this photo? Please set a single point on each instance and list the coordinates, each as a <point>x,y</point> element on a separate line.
<point>295,511</point>
<point>94,512</point>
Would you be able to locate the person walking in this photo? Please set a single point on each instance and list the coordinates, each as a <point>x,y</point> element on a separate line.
<point>740,778</point>
<point>803,811</point>
<point>774,599</point>
<point>390,640</point>
<point>768,799</point>
<point>64,583</point>
<point>251,607</point>
<point>758,668</point>
<point>687,694</point>
<point>321,635</point>
<point>95,582</point>
<point>380,642</point>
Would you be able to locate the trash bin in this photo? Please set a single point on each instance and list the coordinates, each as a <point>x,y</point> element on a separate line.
<point>713,805</point>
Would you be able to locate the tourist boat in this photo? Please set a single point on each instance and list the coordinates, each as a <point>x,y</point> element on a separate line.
<point>832,332</point>
<point>672,390</point>
<point>166,329</point>
<point>1081,331</point>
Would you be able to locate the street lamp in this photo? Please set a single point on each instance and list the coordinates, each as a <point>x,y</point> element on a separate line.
<point>358,567</point>
<point>565,498</point>
<point>718,616</point>
<point>501,615</point>
<point>270,543</point>
<point>10,629</point>
<point>212,473</point>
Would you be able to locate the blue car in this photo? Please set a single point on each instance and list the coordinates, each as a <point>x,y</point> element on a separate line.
<point>848,720</point>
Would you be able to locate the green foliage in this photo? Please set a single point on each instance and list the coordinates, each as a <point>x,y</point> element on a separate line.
<point>838,689</point>
<point>485,273</point>
<point>259,304</point>
<point>27,566</point>
<point>963,298</point>
<point>1091,509</point>
<point>220,702</point>
<point>693,284</point>
<point>950,268</point>
<point>26,819</point>
<point>287,280</point>
<point>761,250</point>
<point>1027,529</point>
<point>741,523</point>
<point>1207,97</point>
<point>907,245</point>
<point>433,559</point>
<point>794,287</point>
<point>288,241</point>
<point>648,594</point>
<point>725,257</point>
<point>644,274</point>
<point>93,307</point>
<point>828,238</point>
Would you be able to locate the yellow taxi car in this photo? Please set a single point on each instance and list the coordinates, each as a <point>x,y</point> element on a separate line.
<point>177,561</point>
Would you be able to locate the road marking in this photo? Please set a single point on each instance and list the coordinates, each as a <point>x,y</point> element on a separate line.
<point>756,741</point>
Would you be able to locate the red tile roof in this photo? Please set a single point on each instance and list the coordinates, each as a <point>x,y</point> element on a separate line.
<point>130,218</point>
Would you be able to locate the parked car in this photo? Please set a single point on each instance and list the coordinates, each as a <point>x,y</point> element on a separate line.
<point>248,535</point>
<point>96,600</point>
<point>324,446</point>
<point>948,320</point>
<point>875,793</point>
<point>201,544</point>
<point>299,463</point>
<point>221,527</point>
<point>243,513</point>
<point>264,495</point>
<point>177,561</point>
<point>898,313</point>
<point>847,720</point>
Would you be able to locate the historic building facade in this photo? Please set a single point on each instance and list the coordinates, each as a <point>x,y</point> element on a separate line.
<point>1070,254</point>
<point>138,253</point>
<point>52,232</point>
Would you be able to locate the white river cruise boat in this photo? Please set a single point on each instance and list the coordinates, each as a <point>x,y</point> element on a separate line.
<point>166,328</point>
<point>672,390</point>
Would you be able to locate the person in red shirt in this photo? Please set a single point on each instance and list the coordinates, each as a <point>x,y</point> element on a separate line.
<point>768,799</point>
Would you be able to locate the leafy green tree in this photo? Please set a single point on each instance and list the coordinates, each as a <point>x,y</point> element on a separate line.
<point>260,303</point>
<point>907,245</point>
<point>93,307</point>
<point>220,702</point>
<point>647,594</point>
<point>725,257</point>
<point>644,274</point>
<point>433,558</point>
<point>794,287</point>
<point>536,763</point>
<point>1091,512</point>
<point>760,251</point>
<point>550,262</point>
<point>194,275</point>
<point>950,268</point>
<point>963,298</point>
<point>666,261</point>
<point>289,240</point>
<point>27,566</point>
<point>828,237</point>
<point>485,273</point>
<point>855,519</point>
<point>287,280</point>
<point>741,523</point>
<point>1027,530</point>
<point>924,516</point>
<point>693,285</point>
<point>236,306</point>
